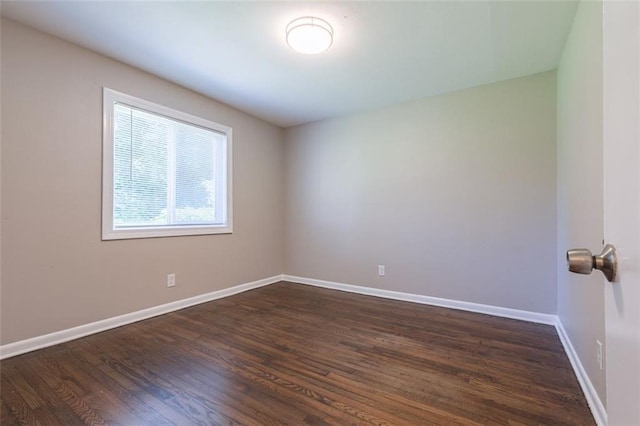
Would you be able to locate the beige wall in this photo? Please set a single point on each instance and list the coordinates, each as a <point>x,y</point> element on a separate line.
<point>455,194</point>
<point>56,272</point>
<point>580,191</point>
<point>1,220</point>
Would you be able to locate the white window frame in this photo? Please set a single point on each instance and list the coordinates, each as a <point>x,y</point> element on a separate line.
<point>109,232</point>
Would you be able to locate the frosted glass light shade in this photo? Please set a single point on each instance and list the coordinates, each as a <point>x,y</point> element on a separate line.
<point>309,35</point>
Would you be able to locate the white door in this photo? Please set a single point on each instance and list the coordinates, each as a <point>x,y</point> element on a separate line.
<point>621,79</point>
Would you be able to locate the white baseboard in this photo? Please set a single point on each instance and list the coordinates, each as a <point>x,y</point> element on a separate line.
<point>595,404</point>
<point>39,342</point>
<point>428,300</point>
<point>597,409</point>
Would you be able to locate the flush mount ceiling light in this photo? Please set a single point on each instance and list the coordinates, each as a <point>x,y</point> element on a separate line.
<point>309,35</point>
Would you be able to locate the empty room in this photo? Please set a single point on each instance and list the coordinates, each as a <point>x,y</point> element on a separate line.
<point>320,213</point>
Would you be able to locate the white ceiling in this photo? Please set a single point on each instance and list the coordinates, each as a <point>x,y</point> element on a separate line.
<point>383,52</point>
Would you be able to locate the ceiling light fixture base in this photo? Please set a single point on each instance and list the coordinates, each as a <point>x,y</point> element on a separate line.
<point>309,35</point>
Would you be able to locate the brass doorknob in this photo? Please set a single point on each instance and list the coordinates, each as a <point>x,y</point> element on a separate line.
<point>581,261</point>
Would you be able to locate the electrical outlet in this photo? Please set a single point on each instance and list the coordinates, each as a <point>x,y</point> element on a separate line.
<point>599,353</point>
<point>171,280</point>
<point>381,270</point>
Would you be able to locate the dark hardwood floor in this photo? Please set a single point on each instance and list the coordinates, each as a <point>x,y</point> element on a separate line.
<point>293,354</point>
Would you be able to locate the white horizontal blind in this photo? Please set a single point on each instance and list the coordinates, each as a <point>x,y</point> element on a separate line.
<point>165,172</point>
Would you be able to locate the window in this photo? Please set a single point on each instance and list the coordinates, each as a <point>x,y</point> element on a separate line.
<point>165,173</point>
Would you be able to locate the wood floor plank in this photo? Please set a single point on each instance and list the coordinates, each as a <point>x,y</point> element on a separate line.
<point>56,410</point>
<point>290,354</point>
<point>18,407</point>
